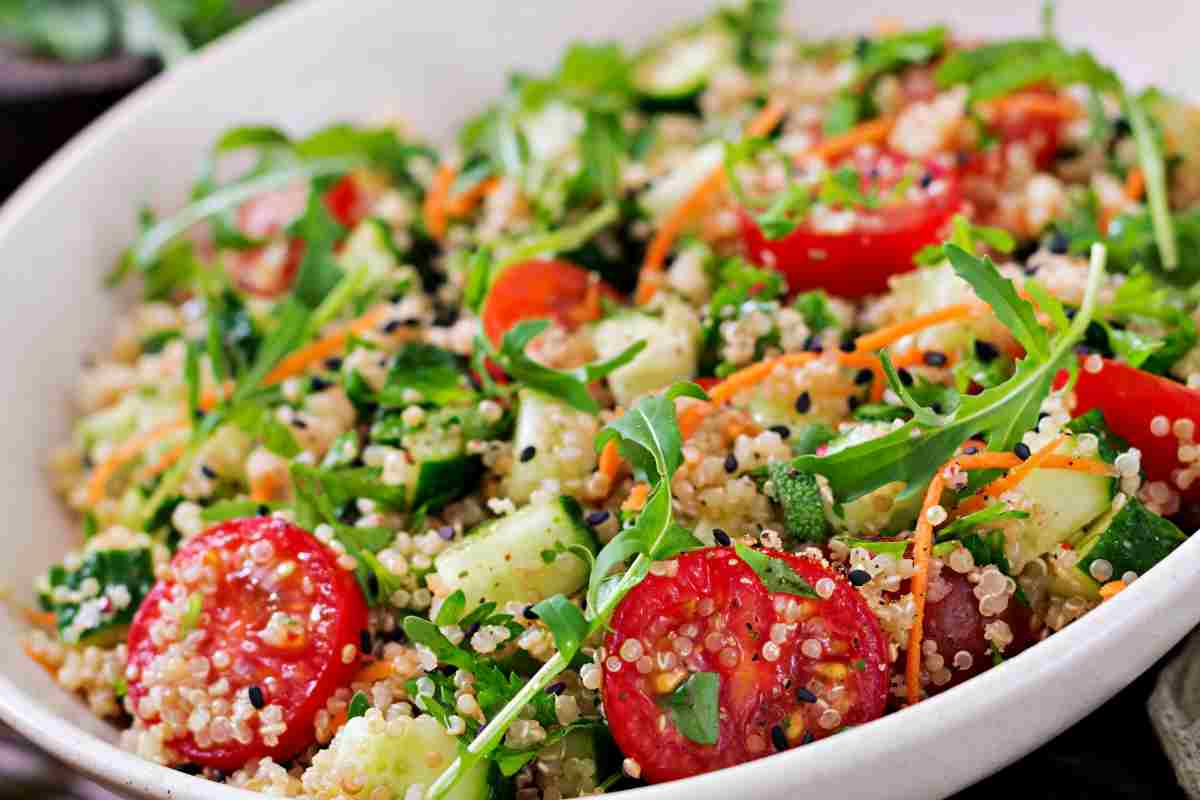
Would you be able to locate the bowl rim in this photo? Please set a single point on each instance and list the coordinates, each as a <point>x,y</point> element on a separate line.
<point>908,730</point>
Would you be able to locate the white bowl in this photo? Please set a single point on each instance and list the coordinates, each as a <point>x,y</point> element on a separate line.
<point>435,64</point>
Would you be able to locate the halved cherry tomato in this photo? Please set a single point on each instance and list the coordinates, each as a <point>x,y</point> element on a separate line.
<point>880,242</point>
<point>537,289</point>
<point>268,270</point>
<point>258,617</point>
<point>713,614</point>
<point>1131,399</point>
<point>955,625</point>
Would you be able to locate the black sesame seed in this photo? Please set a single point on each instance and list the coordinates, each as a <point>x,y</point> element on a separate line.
<point>257,698</point>
<point>446,532</point>
<point>859,577</point>
<point>1058,243</point>
<point>805,696</point>
<point>556,688</point>
<point>1071,312</point>
<point>529,613</point>
<point>1022,451</point>
<point>364,641</point>
<point>721,537</point>
<point>861,45</point>
<point>846,345</point>
<point>804,402</point>
<point>372,584</point>
<point>778,739</point>
<point>936,407</point>
<point>813,344</point>
<point>528,453</point>
<point>1121,126</point>
<point>189,769</point>
<point>731,463</point>
<point>334,363</point>
<point>392,326</point>
<point>471,630</point>
<point>906,377</point>
<point>1030,270</point>
<point>597,518</point>
<point>807,738</point>
<point>299,423</point>
<point>319,384</point>
<point>853,403</point>
<point>208,471</point>
<point>934,358</point>
<point>864,375</point>
<point>972,450</point>
<point>985,351</point>
<point>783,430</point>
<point>926,180</point>
<point>264,511</point>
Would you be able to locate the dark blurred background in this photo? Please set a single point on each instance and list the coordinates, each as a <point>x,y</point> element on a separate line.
<point>63,62</point>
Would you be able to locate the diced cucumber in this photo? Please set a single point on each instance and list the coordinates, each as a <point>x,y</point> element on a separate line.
<point>369,248</point>
<point>118,422</point>
<point>936,287</point>
<point>520,557</point>
<point>403,754</point>
<point>680,66</point>
<point>552,442</point>
<point>1130,537</point>
<point>578,744</point>
<point>878,512</point>
<point>121,579</point>
<point>1063,502</point>
<point>672,352</point>
<point>444,470</point>
<point>799,494</point>
<point>668,191</point>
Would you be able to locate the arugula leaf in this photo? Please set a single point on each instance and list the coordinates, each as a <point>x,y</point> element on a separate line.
<point>566,622</point>
<point>319,271</point>
<point>1013,312</point>
<point>427,369</point>
<point>1154,170</point>
<point>775,573</point>
<point>647,435</point>
<point>969,523</point>
<point>756,27</point>
<point>694,707</point>
<point>570,386</point>
<point>786,211</point>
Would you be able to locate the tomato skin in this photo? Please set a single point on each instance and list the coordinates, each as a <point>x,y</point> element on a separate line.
<point>1130,398</point>
<point>756,695</point>
<point>860,261</point>
<point>540,288</point>
<point>955,624</point>
<point>297,677</point>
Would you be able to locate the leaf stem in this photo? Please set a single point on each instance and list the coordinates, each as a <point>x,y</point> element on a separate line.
<point>1151,161</point>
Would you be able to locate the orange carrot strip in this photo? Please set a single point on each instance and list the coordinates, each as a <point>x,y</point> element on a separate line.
<point>885,336</point>
<point>375,671</point>
<point>637,497</point>
<point>323,348</point>
<point>39,618</point>
<point>462,203</point>
<point>1022,470</point>
<point>38,658</point>
<point>434,209</point>
<point>590,309</point>
<point>678,218</point>
<point>922,552</point>
<point>265,488</point>
<point>871,132</point>
<point>610,461</point>
<point>164,462</point>
<point>1111,589</point>
<point>1135,184</point>
<point>1050,105</point>
<point>130,449</point>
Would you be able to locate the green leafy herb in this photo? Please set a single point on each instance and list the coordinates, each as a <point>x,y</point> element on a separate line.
<point>775,573</point>
<point>695,708</point>
<point>452,608</point>
<point>359,704</point>
<point>756,27</point>
<point>90,620</point>
<point>1150,160</point>
<point>970,523</point>
<point>427,369</point>
<point>565,621</point>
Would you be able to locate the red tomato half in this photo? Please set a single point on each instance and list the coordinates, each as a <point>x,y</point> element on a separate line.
<point>714,615</point>
<point>274,619</point>
<point>538,289</point>
<point>1131,399</point>
<point>268,271</point>
<point>881,242</point>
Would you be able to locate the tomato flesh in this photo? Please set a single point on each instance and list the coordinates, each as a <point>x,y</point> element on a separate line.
<point>715,615</point>
<point>538,289</point>
<point>1130,399</point>
<point>880,243</point>
<point>264,608</point>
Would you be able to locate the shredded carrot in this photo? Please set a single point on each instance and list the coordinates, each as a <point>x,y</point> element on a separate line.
<point>375,671</point>
<point>39,618</point>
<point>323,348</point>
<point>462,203</point>
<point>434,210</point>
<point>1135,184</point>
<point>1111,589</point>
<point>1023,470</point>
<point>130,449</point>
<point>885,336</point>
<point>38,658</point>
<point>340,719</point>
<point>682,214</point>
<point>871,132</point>
<point>163,464</point>
<point>1062,106</point>
<point>590,309</point>
<point>265,488</point>
<point>922,552</point>
<point>637,497</point>
<point>740,425</point>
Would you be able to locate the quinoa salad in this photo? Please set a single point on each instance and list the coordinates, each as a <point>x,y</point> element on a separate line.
<point>697,402</point>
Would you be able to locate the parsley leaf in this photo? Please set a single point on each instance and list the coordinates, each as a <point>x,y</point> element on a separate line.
<point>775,573</point>
<point>694,707</point>
<point>427,369</point>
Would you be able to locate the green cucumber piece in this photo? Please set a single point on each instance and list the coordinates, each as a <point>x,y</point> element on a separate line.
<point>668,191</point>
<point>1063,502</point>
<point>552,442</point>
<point>444,470</point>
<point>679,66</point>
<point>410,752</point>
<point>522,557</point>
<point>672,351</point>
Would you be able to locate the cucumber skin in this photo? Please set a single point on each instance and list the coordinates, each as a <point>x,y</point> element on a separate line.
<point>1133,540</point>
